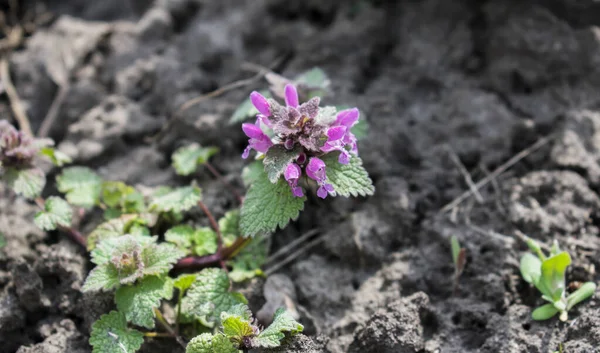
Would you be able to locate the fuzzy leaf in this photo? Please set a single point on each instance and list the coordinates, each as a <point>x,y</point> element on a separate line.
<point>209,295</point>
<point>187,159</point>
<point>209,343</point>
<point>159,259</point>
<point>229,225</point>
<point>28,182</point>
<point>267,206</point>
<point>57,157</point>
<point>236,328</point>
<point>104,250</point>
<point>252,172</point>
<point>246,110</point>
<point>184,282</point>
<point>177,200</point>
<point>181,236</point>
<point>81,185</point>
<point>585,291</point>
<point>277,159</point>
<point>272,335</point>
<point>349,179</point>
<point>531,268</point>
<point>138,301</point>
<point>111,335</point>
<point>315,81</point>
<point>110,229</point>
<point>246,265</point>
<point>204,241</point>
<point>122,196</point>
<point>101,278</point>
<point>544,312</point>
<point>57,212</point>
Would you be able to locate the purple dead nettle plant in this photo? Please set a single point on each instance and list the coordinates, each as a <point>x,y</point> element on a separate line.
<point>314,130</point>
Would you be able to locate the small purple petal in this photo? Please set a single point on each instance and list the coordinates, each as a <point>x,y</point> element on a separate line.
<point>260,103</point>
<point>344,157</point>
<point>322,192</point>
<point>329,147</point>
<point>260,118</point>
<point>292,172</point>
<point>289,144</point>
<point>316,170</point>
<point>261,145</point>
<point>297,191</point>
<point>253,131</point>
<point>301,158</point>
<point>335,133</point>
<point>347,117</point>
<point>246,152</point>
<point>291,96</point>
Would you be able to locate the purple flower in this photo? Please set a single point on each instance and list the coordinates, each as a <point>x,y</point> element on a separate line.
<point>259,141</point>
<point>339,135</point>
<point>260,103</point>
<point>291,96</point>
<point>315,169</point>
<point>292,174</point>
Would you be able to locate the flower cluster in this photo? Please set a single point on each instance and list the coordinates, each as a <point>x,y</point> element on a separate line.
<point>316,130</point>
<point>16,148</point>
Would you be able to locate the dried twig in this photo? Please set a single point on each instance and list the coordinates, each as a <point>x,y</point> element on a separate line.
<point>289,247</point>
<point>463,170</point>
<point>15,102</point>
<point>498,171</point>
<point>293,256</point>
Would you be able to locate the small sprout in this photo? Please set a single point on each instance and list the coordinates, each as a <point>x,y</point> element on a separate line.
<point>459,257</point>
<point>547,274</point>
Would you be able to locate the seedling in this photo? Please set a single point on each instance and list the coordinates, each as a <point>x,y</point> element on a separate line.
<point>547,274</point>
<point>459,257</point>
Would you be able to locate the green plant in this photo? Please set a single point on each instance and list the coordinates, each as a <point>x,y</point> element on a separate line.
<point>459,258</point>
<point>547,274</point>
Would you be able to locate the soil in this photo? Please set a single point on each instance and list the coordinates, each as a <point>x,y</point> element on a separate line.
<point>480,80</point>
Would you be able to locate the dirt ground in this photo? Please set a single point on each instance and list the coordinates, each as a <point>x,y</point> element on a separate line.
<point>480,80</point>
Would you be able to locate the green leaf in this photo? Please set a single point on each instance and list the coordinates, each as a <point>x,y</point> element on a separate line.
<point>455,249</point>
<point>585,291</point>
<point>56,157</point>
<point>81,185</point>
<point>2,240</point>
<point>236,328</point>
<point>104,277</point>
<point>138,301</point>
<point>159,259</point>
<point>252,172</point>
<point>544,312</point>
<point>104,250</point>
<point>57,212</point>
<point>184,282</point>
<point>122,196</point>
<point>552,281</point>
<point>229,225</point>
<point>111,335</point>
<point>177,200</point>
<point>111,229</point>
<point>187,159</point>
<point>267,206</point>
<point>315,82</point>
<point>535,248</point>
<point>209,295</point>
<point>246,265</point>
<point>277,159</point>
<point>282,322</point>
<point>28,182</point>
<point>204,241</point>
<point>209,343</point>
<point>181,236</point>
<point>531,268</point>
<point>246,110</point>
<point>348,179</point>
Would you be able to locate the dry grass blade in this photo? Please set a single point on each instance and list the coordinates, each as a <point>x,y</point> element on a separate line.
<point>289,247</point>
<point>15,102</point>
<point>293,256</point>
<point>463,170</point>
<point>498,171</point>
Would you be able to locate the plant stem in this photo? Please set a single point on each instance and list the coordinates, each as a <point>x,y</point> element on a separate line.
<point>215,226</point>
<point>198,262</point>
<point>178,319</point>
<point>158,334</point>
<point>165,324</point>
<point>219,176</point>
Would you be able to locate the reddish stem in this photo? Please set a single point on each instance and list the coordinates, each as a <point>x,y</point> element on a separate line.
<point>75,235</point>
<point>215,259</point>
<point>219,176</point>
